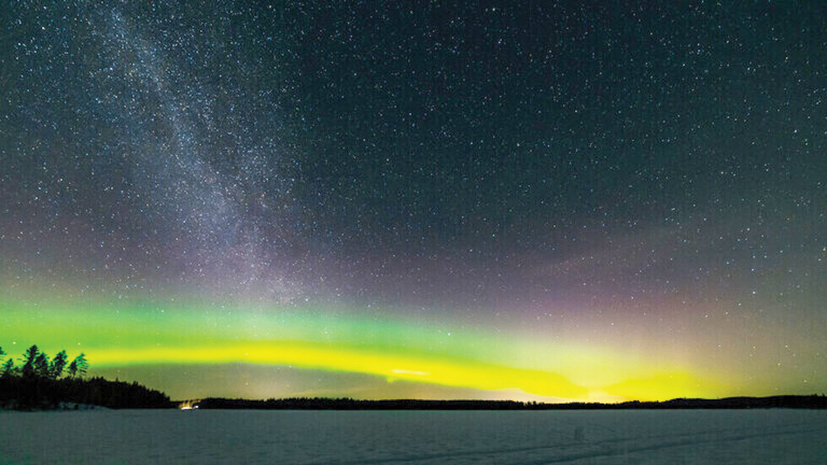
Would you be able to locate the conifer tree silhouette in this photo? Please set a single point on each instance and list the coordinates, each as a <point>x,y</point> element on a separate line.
<point>29,358</point>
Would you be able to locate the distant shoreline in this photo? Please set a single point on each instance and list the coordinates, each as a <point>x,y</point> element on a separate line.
<point>801,402</point>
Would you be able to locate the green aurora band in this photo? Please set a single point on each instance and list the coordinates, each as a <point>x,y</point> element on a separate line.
<point>149,334</point>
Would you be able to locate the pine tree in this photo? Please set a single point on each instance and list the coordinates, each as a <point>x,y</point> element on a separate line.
<point>8,368</point>
<point>29,358</point>
<point>41,365</point>
<point>79,366</point>
<point>58,365</point>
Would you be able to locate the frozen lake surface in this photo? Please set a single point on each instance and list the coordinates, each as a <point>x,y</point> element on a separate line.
<point>418,437</point>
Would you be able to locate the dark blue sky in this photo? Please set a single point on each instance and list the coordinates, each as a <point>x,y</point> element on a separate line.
<point>483,161</point>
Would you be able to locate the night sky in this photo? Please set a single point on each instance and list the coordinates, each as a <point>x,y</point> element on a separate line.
<point>517,199</point>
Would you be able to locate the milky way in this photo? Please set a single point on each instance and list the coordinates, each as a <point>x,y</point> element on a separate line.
<point>505,200</point>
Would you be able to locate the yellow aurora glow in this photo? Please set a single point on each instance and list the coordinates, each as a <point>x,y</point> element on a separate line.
<point>394,350</point>
<point>442,370</point>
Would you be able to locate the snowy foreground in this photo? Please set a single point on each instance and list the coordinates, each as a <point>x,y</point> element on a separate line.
<point>418,437</point>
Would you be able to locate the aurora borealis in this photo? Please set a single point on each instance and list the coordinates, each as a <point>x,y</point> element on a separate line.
<point>493,200</point>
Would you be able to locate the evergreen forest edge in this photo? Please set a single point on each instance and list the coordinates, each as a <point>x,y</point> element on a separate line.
<point>42,383</point>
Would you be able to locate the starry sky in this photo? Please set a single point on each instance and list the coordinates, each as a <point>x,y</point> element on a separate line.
<point>530,200</point>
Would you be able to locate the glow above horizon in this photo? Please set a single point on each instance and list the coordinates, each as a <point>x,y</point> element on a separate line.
<point>118,335</point>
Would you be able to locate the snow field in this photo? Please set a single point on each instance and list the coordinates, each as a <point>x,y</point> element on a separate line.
<point>781,436</point>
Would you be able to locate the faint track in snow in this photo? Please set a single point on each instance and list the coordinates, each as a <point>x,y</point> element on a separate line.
<point>575,451</point>
<point>685,441</point>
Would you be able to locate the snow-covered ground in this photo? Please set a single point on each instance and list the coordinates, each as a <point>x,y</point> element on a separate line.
<point>417,437</point>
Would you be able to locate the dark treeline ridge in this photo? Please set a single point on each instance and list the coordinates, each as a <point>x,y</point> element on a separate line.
<point>44,383</point>
<point>38,393</point>
<point>811,402</point>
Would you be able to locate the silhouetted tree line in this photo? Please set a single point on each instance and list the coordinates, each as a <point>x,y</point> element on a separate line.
<point>811,401</point>
<point>318,403</point>
<point>41,383</point>
<point>321,403</point>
